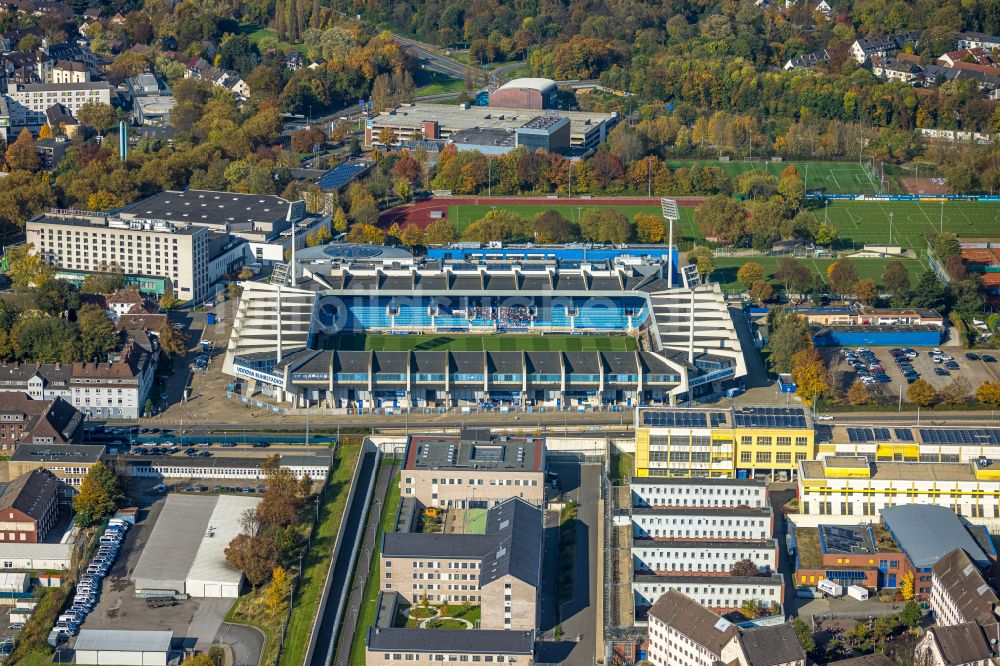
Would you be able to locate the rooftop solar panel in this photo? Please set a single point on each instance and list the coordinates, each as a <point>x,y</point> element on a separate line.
<point>340,175</point>
<point>882,434</point>
<point>903,434</point>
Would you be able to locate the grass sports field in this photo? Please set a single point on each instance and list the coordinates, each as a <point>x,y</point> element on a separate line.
<point>859,222</point>
<point>726,268</point>
<point>829,177</point>
<point>492,343</point>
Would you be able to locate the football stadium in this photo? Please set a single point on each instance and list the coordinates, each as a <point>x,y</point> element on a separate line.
<point>350,327</point>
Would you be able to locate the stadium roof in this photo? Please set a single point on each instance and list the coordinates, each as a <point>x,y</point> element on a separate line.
<point>540,85</point>
<point>927,533</point>
<point>119,640</point>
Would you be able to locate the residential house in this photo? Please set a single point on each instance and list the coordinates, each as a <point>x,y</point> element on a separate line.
<point>29,507</point>
<point>199,68</point>
<point>977,40</point>
<point>862,49</point>
<point>963,644</point>
<point>960,592</point>
<point>51,150</point>
<point>807,60</point>
<point>36,421</point>
<point>891,69</point>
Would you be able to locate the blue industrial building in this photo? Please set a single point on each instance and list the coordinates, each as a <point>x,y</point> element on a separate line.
<point>877,336</point>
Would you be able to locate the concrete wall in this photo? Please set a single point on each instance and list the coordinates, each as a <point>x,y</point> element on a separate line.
<point>523,605</point>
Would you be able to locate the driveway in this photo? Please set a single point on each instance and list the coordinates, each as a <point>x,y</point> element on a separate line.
<point>247,643</point>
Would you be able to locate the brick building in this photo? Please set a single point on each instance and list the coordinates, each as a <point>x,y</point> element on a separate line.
<point>29,507</point>
<point>23,419</point>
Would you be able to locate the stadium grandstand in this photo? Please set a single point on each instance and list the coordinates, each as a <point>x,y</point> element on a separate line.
<point>350,331</point>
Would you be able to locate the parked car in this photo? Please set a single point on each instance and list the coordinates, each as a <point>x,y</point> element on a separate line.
<point>972,356</point>
<point>951,365</point>
<point>941,372</point>
<point>989,358</point>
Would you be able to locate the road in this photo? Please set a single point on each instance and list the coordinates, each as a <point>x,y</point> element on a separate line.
<point>578,617</point>
<point>247,643</point>
<point>778,494</point>
<point>756,376</point>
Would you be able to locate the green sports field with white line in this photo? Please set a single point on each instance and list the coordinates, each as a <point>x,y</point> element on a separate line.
<point>827,177</point>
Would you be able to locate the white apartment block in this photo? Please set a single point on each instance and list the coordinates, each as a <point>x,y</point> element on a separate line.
<point>845,489</point>
<point>693,557</point>
<point>698,492</point>
<point>26,102</point>
<point>959,592</point>
<point>707,524</point>
<point>720,593</point>
<point>93,242</point>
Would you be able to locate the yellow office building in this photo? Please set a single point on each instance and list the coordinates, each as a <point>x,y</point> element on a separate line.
<point>722,442</point>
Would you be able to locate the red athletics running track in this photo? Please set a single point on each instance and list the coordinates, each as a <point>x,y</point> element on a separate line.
<point>419,213</point>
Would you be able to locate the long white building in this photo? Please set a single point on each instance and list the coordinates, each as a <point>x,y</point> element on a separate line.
<point>718,593</point>
<point>652,491</point>
<point>702,523</point>
<point>701,556</point>
<point>24,104</point>
<point>848,489</point>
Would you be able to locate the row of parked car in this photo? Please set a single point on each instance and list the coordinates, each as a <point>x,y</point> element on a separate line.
<point>867,366</point>
<point>903,359</point>
<point>89,588</point>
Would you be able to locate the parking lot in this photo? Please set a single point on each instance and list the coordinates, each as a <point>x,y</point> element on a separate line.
<point>195,622</point>
<point>973,371</point>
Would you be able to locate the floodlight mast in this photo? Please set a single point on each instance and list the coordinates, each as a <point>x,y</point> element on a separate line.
<point>670,213</point>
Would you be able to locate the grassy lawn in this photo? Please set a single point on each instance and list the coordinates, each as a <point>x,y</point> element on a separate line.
<point>369,601</point>
<point>726,268</point>
<point>567,551</point>
<point>829,177</point>
<point>435,83</point>
<point>622,465</point>
<point>249,609</point>
<point>807,543</point>
<point>472,342</point>
<point>256,33</point>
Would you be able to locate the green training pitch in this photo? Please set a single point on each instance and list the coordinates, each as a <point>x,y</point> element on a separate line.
<point>462,215</point>
<point>827,177</point>
<point>867,222</point>
<point>492,343</point>
<point>726,268</point>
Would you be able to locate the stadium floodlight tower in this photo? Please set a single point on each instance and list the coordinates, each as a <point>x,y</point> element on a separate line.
<point>670,213</point>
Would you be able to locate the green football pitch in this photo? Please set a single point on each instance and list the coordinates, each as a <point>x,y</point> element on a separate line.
<point>827,177</point>
<point>726,268</point>
<point>492,343</point>
<point>858,222</point>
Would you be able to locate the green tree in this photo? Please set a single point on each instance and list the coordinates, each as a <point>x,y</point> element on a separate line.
<point>911,615</point>
<point>412,236</point>
<point>440,232</point>
<point>722,219</point>
<point>946,246</point>
<point>826,234</point>
<point>551,227</point>
<point>199,660</point>
<point>703,259</point>
<point>172,339</point>
<point>794,276</point>
<point>921,393</point>
<point>98,115</point>
<point>57,297</point>
<point>929,292</point>
<point>789,338</point>
<point>804,634</point>
<point>98,336</point>
<point>498,225</point>
<point>26,268</point>
<point>100,492</point>
<point>339,221</point>
<point>843,276</point>
<point>103,283</point>
<point>750,273</point>
<point>605,225</point>
<point>367,234</point>
<point>895,278</point>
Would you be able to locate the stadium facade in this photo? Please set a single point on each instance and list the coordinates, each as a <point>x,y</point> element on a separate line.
<point>290,341</point>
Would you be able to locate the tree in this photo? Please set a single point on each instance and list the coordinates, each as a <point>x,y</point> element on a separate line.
<point>411,236</point>
<point>440,232</point>
<point>172,339</point>
<point>842,276</point>
<point>826,234</point>
<point>790,336</point>
<point>45,132</point>
<point>866,291</point>
<point>308,140</point>
<point>911,615</point>
<point>98,115</point>
<point>750,273</point>
<point>793,275</point>
<point>921,393</point>
<point>57,297</point>
<point>102,200</point>
<point>702,257</point>
<point>744,567</point>
<point>339,221</point>
<point>907,588</point>
<point>403,188</point>
<point>386,136</point>
<point>929,292</point>
<point>955,392</point>
<point>98,336</point>
<point>946,246</point>
<point>100,492</point>
<point>277,590</point>
<point>168,301</point>
<point>367,234</point>
<point>498,225</point>
<point>810,375</point>
<point>762,292</point>
<point>550,227</point>
<point>751,608</point>
<point>722,219</point>
<point>895,278</point>
<point>804,634</point>
<point>858,394</point>
<point>605,225</point>
<point>45,339</point>
<point>988,393</point>
<point>255,556</point>
<point>22,153</point>
<point>199,660</point>
<point>103,283</point>
<point>649,228</point>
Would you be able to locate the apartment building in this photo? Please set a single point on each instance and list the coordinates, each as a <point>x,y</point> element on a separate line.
<point>24,104</point>
<point>960,593</point>
<point>964,644</point>
<point>841,489</point>
<point>702,523</point>
<point>500,569</point>
<point>721,594</point>
<point>431,647</point>
<point>684,633</point>
<point>694,556</point>
<point>68,462</point>
<point>473,473</point>
<point>722,443</point>
<point>36,421</point>
<point>29,507</point>
<point>93,242</point>
<point>116,389</point>
<point>652,492</point>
